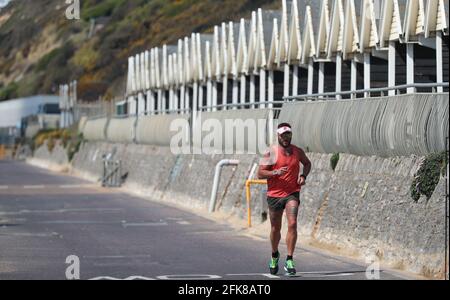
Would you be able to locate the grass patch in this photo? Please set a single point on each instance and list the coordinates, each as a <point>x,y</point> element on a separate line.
<point>46,59</point>
<point>102,9</point>
<point>70,139</point>
<point>9,92</point>
<point>51,135</point>
<point>334,161</point>
<point>74,146</point>
<point>428,176</point>
<point>86,57</point>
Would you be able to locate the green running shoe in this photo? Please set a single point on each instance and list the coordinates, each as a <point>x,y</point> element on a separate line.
<point>273,265</point>
<point>289,267</point>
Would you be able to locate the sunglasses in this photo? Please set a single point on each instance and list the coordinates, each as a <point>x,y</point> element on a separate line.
<point>286,135</point>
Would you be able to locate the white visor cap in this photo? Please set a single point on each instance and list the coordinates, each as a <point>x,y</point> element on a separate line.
<point>284,129</point>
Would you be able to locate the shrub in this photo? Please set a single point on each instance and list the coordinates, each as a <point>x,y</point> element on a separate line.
<point>102,9</point>
<point>9,92</point>
<point>46,59</point>
<point>74,146</point>
<point>334,161</point>
<point>428,175</point>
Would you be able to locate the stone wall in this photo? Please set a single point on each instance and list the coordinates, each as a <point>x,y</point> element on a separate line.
<point>363,207</point>
<point>56,160</point>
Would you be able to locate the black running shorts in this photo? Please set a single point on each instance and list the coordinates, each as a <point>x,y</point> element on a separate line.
<point>277,204</point>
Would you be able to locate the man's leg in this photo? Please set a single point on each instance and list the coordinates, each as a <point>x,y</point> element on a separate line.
<point>275,232</point>
<point>291,214</point>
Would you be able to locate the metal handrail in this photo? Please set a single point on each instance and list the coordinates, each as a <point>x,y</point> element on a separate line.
<point>100,116</point>
<point>166,111</point>
<point>232,105</point>
<point>368,91</point>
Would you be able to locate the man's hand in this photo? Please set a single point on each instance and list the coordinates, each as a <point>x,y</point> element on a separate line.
<point>301,181</point>
<point>280,172</point>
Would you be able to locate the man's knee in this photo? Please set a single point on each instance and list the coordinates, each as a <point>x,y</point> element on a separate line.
<point>276,228</point>
<point>292,226</point>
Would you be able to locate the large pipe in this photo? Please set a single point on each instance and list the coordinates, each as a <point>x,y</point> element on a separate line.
<point>219,166</point>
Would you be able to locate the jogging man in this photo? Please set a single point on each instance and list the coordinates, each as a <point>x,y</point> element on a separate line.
<point>281,167</point>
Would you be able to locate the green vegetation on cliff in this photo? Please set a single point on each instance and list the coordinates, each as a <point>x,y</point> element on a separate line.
<point>40,48</point>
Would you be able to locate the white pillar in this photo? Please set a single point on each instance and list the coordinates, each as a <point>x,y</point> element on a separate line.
<point>310,76</point>
<point>271,89</point>
<point>225,92</point>
<point>295,81</point>
<point>200,96</point>
<point>391,71</point>
<point>321,77</point>
<point>187,100</point>
<point>183,98</point>
<point>252,90</point>
<point>129,101</point>
<point>367,74</point>
<point>150,102</point>
<point>214,96</point>
<point>243,89</point>
<point>286,81</point>
<point>195,101</point>
<point>160,105</point>
<point>262,88</point>
<point>171,96</point>
<point>141,104</point>
<point>176,100</point>
<point>338,74</point>
<point>209,100</point>
<point>410,67</point>
<point>439,61</point>
<point>133,107</point>
<point>354,77</point>
<point>235,93</point>
<point>147,102</point>
<point>63,118</point>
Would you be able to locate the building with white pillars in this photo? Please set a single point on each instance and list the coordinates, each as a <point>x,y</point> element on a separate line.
<point>307,47</point>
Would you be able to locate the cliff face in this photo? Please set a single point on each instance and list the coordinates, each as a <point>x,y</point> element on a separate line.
<point>40,48</point>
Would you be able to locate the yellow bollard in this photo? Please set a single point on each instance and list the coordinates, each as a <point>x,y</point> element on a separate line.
<point>248,184</point>
<point>2,152</point>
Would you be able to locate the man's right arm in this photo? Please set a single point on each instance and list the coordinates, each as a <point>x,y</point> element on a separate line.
<point>266,171</point>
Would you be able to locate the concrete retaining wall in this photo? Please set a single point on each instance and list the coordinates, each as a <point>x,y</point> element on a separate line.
<point>250,127</point>
<point>388,126</point>
<point>156,130</point>
<point>56,160</point>
<point>364,206</point>
<point>121,130</point>
<point>95,129</point>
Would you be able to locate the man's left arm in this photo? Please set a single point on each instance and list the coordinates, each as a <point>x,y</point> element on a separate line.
<point>304,160</point>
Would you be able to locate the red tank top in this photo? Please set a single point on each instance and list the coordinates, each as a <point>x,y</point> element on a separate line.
<point>283,186</point>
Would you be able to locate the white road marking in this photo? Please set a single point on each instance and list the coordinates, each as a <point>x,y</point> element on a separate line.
<point>183,223</point>
<point>39,235</point>
<point>128,278</point>
<point>33,187</point>
<point>105,278</point>
<point>117,256</point>
<point>59,211</point>
<point>139,278</point>
<point>76,186</point>
<point>256,274</point>
<point>189,277</point>
<point>209,277</point>
<point>144,224</point>
<point>64,186</point>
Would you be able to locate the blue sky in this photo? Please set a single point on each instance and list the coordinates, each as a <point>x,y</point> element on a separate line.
<point>3,2</point>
